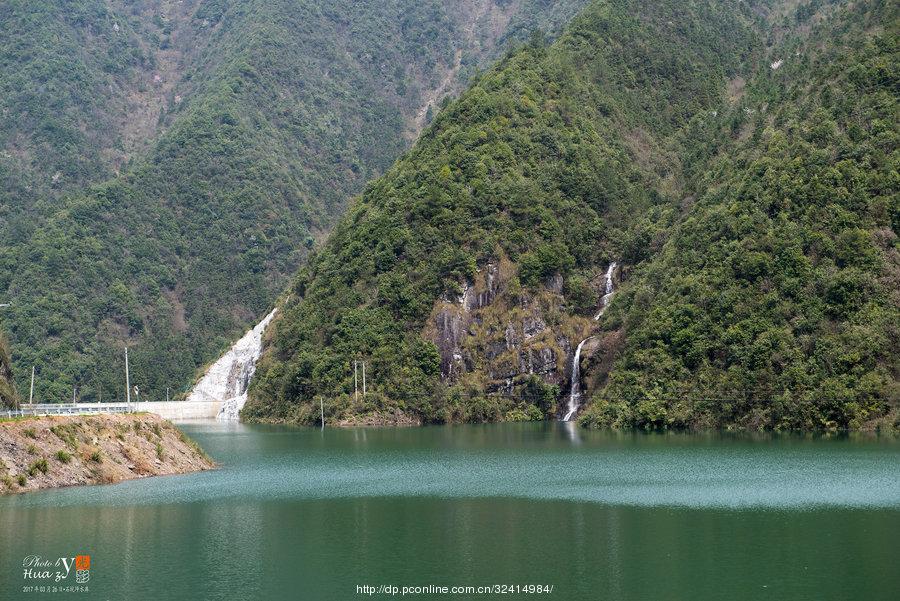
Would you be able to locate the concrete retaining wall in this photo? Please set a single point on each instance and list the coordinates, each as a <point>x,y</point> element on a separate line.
<point>178,410</point>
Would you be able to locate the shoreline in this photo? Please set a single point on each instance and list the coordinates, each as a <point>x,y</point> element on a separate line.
<point>406,421</point>
<point>39,453</point>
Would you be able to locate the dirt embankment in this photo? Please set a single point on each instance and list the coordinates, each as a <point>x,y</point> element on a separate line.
<point>48,452</point>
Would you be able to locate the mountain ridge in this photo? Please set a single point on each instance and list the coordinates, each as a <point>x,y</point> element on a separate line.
<point>528,168</point>
<point>466,276</point>
<point>267,111</point>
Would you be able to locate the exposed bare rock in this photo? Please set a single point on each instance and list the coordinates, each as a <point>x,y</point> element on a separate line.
<point>599,355</point>
<point>496,338</point>
<point>555,283</point>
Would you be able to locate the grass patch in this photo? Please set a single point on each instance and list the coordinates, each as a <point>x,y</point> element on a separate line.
<point>193,445</point>
<point>18,418</point>
<point>64,456</point>
<point>38,466</point>
<point>97,457</point>
<point>32,450</point>
<point>21,479</point>
<point>66,433</point>
<point>159,451</point>
<point>29,432</point>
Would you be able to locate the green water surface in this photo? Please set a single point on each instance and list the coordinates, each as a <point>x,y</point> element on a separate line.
<point>308,514</point>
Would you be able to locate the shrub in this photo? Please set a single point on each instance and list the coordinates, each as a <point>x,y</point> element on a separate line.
<point>66,433</point>
<point>540,394</point>
<point>38,466</point>
<point>543,262</point>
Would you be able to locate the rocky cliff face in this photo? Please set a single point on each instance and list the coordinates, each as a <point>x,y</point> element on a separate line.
<point>496,335</point>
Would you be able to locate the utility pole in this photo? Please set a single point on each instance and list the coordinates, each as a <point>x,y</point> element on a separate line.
<point>364,379</point>
<point>355,384</point>
<point>31,392</point>
<point>127,384</point>
<point>167,394</point>
<point>73,394</point>
<point>322,411</point>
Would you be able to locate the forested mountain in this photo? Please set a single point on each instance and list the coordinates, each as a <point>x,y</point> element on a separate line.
<point>738,159</point>
<point>8,396</point>
<point>166,165</point>
<point>67,72</point>
<point>474,261</point>
<point>775,301</point>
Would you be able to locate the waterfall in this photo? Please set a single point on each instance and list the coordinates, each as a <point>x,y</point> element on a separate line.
<point>575,385</point>
<point>608,291</point>
<point>575,390</point>
<point>227,379</point>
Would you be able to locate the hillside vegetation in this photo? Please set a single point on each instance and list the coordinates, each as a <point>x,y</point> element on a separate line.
<point>218,139</point>
<point>8,396</point>
<point>775,301</point>
<point>65,72</point>
<point>740,161</point>
<point>551,164</point>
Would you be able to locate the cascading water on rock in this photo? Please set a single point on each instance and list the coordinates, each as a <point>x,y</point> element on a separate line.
<point>227,379</point>
<point>575,390</point>
<point>575,386</point>
<point>608,291</point>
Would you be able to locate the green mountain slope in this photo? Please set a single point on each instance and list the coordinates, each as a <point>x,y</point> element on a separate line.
<point>65,73</point>
<point>467,274</point>
<point>239,129</point>
<point>8,396</point>
<point>740,166</point>
<point>775,302</point>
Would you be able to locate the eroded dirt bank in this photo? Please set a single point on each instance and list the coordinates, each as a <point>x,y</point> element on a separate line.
<point>49,452</point>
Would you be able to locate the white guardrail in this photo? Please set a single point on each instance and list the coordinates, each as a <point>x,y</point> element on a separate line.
<point>65,409</point>
<point>175,410</point>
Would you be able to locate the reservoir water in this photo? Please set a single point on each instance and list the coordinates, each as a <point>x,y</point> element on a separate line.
<point>297,513</point>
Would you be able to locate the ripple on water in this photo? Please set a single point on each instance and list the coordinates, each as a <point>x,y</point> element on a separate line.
<point>528,461</point>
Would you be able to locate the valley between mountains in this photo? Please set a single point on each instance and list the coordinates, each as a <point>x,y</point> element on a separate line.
<point>655,215</point>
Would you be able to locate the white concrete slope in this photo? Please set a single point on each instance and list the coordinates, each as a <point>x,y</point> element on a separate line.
<point>227,379</point>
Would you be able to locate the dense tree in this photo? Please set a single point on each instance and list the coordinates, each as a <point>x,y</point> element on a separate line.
<point>774,303</point>
<point>743,167</point>
<point>8,395</point>
<point>540,161</point>
<point>217,140</point>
